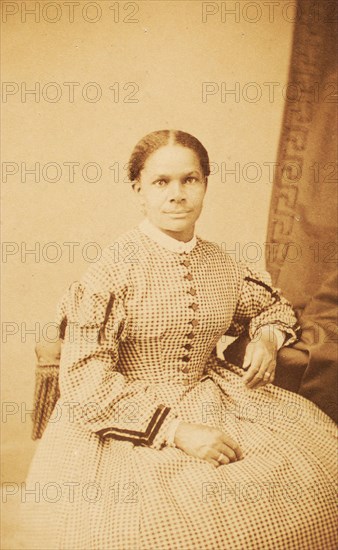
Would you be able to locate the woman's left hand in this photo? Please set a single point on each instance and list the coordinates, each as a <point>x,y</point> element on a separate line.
<point>260,360</point>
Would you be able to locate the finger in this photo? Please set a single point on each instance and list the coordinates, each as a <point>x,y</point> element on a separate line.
<point>247,356</point>
<point>267,375</point>
<point>213,462</point>
<point>265,368</point>
<point>271,370</point>
<point>220,458</point>
<point>261,377</point>
<point>266,378</point>
<point>230,454</point>
<point>229,443</point>
<point>256,364</point>
<point>210,458</point>
<point>261,382</point>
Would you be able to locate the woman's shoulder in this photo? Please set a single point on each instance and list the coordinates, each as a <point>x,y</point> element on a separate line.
<point>217,252</point>
<point>123,250</point>
<point>88,298</point>
<point>117,259</point>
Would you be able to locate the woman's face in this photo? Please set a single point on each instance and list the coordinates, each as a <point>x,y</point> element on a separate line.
<point>171,189</point>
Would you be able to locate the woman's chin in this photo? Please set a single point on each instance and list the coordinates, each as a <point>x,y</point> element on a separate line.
<point>178,226</point>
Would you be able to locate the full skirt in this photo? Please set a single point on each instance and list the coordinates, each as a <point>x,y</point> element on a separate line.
<point>83,493</point>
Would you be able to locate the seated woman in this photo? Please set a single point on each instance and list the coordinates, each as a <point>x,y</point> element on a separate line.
<point>156,445</point>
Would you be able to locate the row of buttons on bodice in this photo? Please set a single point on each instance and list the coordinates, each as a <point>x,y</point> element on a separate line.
<point>193,322</point>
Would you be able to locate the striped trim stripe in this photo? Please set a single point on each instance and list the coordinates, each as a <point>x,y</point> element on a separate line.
<point>138,438</point>
<point>272,291</point>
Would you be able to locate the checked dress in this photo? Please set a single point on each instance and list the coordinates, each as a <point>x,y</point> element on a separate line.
<point>139,332</point>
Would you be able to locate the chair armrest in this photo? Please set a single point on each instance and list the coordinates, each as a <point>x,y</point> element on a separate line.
<point>48,353</point>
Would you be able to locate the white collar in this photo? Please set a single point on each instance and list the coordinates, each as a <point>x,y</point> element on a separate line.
<point>165,240</point>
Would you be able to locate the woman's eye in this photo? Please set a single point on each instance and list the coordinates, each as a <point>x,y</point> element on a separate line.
<point>160,183</point>
<point>191,179</point>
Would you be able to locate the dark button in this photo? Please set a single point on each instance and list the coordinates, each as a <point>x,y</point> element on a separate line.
<point>189,277</point>
<point>192,291</point>
<point>188,347</point>
<point>186,358</point>
<point>185,369</point>
<point>191,335</point>
<point>186,263</point>
<point>194,306</point>
<point>194,322</point>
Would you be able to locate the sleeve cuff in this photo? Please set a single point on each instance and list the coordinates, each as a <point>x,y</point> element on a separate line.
<point>273,332</point>
<point>290,334</point>
<point>153,436</point>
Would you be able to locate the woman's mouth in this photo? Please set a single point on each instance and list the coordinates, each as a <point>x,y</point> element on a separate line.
<point>178,213</point>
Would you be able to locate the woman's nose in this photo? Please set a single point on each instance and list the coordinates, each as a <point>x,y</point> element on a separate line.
<point>176,191</point>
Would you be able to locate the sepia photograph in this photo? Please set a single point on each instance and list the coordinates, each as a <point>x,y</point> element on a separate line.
<point>169,275</point>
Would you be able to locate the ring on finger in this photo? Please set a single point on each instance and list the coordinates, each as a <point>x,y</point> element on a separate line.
<point>267,375</point>
<point>220,458</point>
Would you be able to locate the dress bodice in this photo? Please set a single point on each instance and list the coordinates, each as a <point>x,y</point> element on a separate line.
<point>177,306</point>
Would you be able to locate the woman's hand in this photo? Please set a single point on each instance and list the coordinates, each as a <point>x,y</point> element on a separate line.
<point>260,357</point>
<point>207,443</point>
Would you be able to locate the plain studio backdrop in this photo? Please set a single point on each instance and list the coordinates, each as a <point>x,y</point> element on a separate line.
<point>117,72</point>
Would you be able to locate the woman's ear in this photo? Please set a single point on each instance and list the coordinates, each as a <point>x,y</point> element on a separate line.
<point>136,186</point>
<point>138,190</point>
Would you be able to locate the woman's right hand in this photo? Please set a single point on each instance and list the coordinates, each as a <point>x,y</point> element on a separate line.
<point>210,444</point>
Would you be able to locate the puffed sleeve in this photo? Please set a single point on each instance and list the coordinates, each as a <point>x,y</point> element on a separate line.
<point>92,320</point>
<point>259,304</point>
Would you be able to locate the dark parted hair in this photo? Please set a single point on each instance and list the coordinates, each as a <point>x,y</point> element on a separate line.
<point>155,140</point>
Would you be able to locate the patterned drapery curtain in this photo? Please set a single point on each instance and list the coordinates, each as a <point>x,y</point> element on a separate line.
<point>302,249</point>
